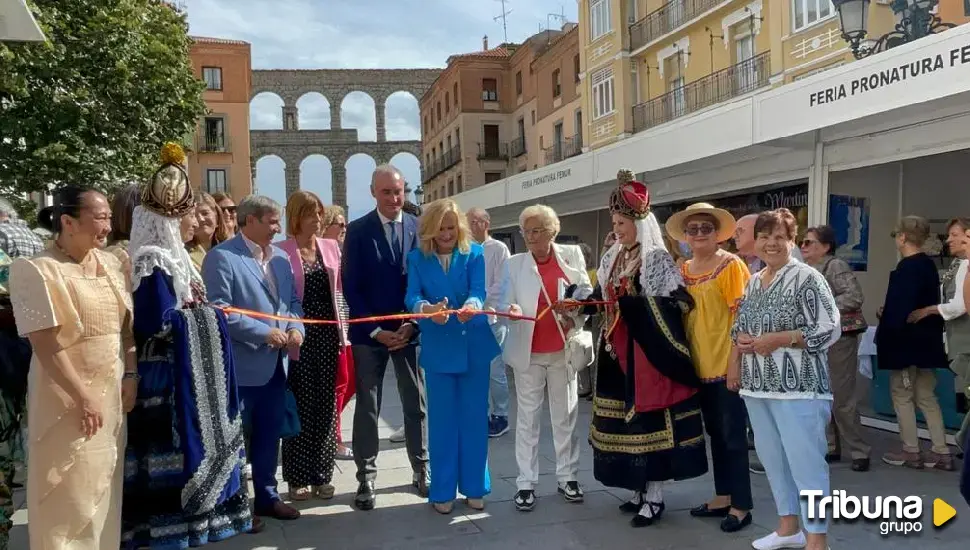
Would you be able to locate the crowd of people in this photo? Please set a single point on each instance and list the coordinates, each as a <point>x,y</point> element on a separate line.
<point>175,346</point>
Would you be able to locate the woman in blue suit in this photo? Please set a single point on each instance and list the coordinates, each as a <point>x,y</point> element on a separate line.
<point>445,272</point>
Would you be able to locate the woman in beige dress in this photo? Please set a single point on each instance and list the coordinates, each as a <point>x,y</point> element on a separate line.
<point>72,302</point>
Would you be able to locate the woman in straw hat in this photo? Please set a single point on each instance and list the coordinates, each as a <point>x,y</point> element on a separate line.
<point>182,483</point>
<point>716,280</point>
<point>646,426</point>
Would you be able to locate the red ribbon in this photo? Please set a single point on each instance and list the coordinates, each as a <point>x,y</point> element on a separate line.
<point>393,317</point>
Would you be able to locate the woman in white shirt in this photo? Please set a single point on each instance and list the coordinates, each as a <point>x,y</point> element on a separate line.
<point>787,320</point>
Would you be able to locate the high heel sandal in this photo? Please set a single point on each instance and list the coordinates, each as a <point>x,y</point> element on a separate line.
<point>443,508</point>
<point>300,494</point>
<point>475,504</point>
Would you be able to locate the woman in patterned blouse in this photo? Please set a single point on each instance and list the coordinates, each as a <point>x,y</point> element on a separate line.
<point>786,322</point>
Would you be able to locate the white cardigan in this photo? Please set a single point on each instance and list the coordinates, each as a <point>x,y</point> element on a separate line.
<point>523,285</point>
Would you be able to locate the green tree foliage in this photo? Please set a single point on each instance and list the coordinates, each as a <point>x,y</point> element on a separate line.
<point>95,103</point>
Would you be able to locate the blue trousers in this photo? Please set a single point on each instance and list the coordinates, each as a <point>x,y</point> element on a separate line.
<point>264,407</point>
<point>789,435</point>
<point>458,433</point>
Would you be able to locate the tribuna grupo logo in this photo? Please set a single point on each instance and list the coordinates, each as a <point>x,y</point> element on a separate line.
<point>895,515</point>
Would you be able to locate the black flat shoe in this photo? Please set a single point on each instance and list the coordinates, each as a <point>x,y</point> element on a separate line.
<point>641,521</point>
<point>731,523</point>
<point>833,457</point>
<point>629,507</point>
<point>705,511</point>
<point>366,497</point>
<point>860,464</point>
<point>657,510</point>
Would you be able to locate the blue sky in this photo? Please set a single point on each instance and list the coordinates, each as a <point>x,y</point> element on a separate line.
<point>365,34</point>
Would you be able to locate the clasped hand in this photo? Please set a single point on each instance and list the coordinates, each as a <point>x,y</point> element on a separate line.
<point>278,339</point>
<point>438,312</point>
<point>762,345</point>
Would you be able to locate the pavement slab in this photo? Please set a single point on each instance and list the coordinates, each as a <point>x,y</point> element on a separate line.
<point>404,521</point>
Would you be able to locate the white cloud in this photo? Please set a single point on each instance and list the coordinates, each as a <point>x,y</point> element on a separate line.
<point>333,34</point>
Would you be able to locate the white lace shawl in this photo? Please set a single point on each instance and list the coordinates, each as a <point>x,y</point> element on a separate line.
<point>659,275</point>
<point>156,242</point>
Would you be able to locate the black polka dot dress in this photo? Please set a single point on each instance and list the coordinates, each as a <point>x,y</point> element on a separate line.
<point>308,458</point>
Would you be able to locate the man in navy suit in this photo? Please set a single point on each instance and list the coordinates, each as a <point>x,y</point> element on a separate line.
<point>248,272</point>
<point>375,280</point>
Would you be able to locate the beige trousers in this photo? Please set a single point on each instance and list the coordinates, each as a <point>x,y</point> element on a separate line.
<point>911,388</point>
<point>846,424</point>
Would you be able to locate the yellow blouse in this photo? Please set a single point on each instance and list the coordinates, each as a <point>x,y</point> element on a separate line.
<point>717,295</point>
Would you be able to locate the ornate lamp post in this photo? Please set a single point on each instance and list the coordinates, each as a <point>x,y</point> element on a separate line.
<point>419,195</point>
<point>914,20</point>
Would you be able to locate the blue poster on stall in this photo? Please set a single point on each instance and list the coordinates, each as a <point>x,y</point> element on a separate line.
<point>849,217</point>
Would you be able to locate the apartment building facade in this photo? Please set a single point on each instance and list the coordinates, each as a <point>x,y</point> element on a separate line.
<point>647,62</point>
<point>219,152</point>
<point>501,111</point>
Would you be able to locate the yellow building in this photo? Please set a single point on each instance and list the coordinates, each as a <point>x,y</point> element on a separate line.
<point>647,62</point>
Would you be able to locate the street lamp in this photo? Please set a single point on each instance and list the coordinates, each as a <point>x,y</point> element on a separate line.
<point>914,20</point>
<point>419,195</point>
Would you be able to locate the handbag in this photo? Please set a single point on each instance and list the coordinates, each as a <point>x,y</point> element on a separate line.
<point>852,322</point>
<point>291,417</point>
<point>578,346</point>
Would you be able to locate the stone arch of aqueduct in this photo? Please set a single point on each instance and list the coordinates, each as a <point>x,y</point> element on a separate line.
<point>338,144</point>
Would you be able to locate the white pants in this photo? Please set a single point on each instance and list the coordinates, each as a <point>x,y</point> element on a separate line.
<point>546,370</point>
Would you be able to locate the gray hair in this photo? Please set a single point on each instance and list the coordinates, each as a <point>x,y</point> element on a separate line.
<point>256,205</point>
<point>7,210</point>
<point>385,169</point>
<point>546,216</point>
<point>480,212</point>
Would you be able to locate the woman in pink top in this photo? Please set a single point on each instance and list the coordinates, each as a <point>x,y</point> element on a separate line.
<point>308,458</point>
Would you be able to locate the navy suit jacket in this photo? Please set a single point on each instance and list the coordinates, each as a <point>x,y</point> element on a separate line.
<point>374,279</point>
<point>233,278</point>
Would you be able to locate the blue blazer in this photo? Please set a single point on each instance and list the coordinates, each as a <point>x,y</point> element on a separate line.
<point>453,347</point>
<point>232,277</point>
<point>374,282</point>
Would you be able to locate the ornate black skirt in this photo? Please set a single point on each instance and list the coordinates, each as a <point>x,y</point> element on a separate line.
<point>630,451</point>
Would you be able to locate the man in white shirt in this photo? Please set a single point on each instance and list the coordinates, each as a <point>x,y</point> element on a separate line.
<point>496,255</point>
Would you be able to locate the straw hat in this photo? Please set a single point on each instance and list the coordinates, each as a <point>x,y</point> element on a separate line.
<point>725,221</point>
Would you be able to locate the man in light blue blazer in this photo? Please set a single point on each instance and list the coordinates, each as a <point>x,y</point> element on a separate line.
<point>248,272</point>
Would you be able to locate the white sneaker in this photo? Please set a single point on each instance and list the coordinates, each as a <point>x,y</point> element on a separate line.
<point>774,541</point>
<point>398,436</point>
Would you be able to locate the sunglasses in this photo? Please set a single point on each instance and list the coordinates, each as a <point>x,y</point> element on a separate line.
<point>704,229</point>
<point>341,225</point>
<point>229,209</point>
<point>808,242</point>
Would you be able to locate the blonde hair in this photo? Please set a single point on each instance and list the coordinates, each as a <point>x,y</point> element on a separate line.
<point>547,217</point>
<point>330,214</point>
<point>300,204</point>
<point>432,215</point>
<point>220,234</point>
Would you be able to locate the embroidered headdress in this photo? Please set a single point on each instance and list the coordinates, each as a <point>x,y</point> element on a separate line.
<point>658,274</point>
<point>168,192</point>
<point>630,198</point>
<point>156,237</point>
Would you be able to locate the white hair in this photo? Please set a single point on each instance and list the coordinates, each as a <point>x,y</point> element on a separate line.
<point>480,212</point>
<point>7,209</point>
<point>258,206</point>
<point>547,216</point>
<point>385,169</point>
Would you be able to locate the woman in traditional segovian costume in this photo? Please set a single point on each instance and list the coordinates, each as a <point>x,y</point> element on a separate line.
<point>646,426</point>
<point>182,476</point>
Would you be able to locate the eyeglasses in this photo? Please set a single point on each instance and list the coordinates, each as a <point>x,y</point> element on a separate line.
<point>695,229</point>
<point>341,225</point>
<point>229,209</point>
<point>809,242</point>
<point>534,233</point>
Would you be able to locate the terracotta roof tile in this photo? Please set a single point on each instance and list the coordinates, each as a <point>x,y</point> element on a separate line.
<point>210,40</point>
<point>500,52</point>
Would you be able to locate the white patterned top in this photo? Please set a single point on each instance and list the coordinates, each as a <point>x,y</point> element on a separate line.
<point>798,298</point>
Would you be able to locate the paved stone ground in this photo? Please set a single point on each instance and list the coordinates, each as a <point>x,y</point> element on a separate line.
<point>402,520</point>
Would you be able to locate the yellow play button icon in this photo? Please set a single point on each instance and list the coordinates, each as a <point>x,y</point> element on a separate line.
<point>942,512</point>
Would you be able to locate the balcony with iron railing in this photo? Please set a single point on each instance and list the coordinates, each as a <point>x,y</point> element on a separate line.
<point>212,143</point>
<point>666,19</point>
<point>493,150</point>
<point>517,147</point>
<point>443,162</point>
<point>567,148</point>
<point>736,80</point>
